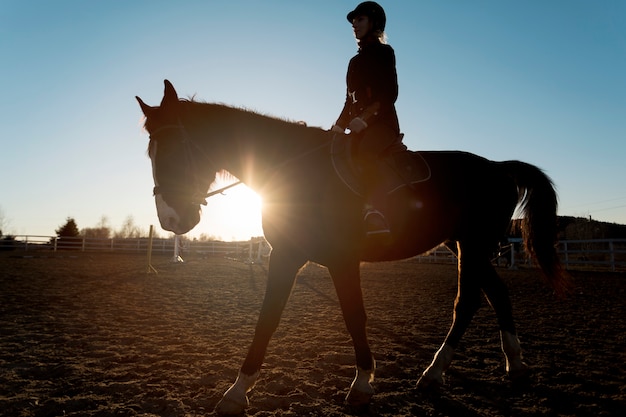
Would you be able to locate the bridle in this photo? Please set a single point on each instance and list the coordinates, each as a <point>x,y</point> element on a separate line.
<point>200,197</point>
<point>197,197</point>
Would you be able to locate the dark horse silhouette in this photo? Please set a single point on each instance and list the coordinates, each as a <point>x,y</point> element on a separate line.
<point>309,214</point>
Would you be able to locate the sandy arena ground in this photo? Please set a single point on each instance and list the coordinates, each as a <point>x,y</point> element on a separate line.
<point>95,335</point>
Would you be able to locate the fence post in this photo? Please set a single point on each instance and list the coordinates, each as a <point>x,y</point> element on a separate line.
<point>150,267</point>
<point>260,248</point>
<point>177,258</point>
<point>512,265</point>
<point>566,254</point>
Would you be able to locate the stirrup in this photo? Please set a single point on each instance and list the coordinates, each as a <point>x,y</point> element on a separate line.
<point>376,224</point>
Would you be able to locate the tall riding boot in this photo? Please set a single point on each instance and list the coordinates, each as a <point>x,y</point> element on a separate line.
<point>376,226</point>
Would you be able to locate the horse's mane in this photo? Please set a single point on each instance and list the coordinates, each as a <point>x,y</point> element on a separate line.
<point>194,105</point>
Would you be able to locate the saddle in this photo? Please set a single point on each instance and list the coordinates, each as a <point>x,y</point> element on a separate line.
<point>397,166</point>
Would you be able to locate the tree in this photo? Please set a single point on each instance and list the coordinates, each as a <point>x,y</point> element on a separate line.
<point>104,223</point>
<point>101,231</point>
<point>4,222</point>
<point>129,229</point>
<point>69,229</point>
<point>207,238</point>
<point>6,242</point>
<point>68,234</point>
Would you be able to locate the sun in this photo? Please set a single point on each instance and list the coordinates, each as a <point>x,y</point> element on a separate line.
<point>234,215</point>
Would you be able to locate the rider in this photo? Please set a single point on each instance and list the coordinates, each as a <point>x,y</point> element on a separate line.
<point>369,111</point>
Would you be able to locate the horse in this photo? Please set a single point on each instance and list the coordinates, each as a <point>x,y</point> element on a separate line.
<point>309,214</point>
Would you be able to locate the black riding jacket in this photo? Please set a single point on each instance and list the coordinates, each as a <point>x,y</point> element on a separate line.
<point>372,87</point>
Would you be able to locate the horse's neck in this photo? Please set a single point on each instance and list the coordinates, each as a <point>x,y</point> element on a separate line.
<point>254,145</point>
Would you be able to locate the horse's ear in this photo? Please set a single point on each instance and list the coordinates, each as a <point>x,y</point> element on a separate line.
<point>144,107</point>
<point>170,95</point>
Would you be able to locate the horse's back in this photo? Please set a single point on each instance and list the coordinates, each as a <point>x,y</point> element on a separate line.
<point>466,197</point>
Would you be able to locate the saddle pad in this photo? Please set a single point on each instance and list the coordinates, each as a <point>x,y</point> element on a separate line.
<point>399,168</point>
<point>410,167</point>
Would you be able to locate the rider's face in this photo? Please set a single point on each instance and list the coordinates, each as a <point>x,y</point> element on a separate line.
<point>361,26</point>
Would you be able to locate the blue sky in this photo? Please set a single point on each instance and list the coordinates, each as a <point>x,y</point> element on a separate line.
<point>539,81</point>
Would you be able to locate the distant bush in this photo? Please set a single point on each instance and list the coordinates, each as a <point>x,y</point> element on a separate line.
<point>8,243</point>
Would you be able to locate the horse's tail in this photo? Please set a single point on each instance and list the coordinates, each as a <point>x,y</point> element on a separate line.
<point>538,205</point>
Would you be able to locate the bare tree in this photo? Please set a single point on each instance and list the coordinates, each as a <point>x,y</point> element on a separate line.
<point>104,223</point>
<point>101,231</point>
<point>4,222</point>
<point>129,229</point>
<point>207,238</point>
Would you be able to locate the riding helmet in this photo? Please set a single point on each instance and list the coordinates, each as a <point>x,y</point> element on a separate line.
<point>372,10</point>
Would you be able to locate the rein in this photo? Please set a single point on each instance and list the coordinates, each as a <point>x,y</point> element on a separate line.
<point>221,190</point>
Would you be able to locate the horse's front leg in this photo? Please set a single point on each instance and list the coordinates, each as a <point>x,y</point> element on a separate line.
<point>346,278</point>
<point>283,269</point>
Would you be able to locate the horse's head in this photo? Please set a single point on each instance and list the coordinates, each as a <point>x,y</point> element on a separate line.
<point>182,173</point>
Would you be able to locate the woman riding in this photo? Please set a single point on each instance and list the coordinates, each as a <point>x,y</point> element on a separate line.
<point>369,111</point>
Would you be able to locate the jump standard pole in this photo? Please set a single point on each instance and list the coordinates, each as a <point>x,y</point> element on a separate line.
<point>150,268</point>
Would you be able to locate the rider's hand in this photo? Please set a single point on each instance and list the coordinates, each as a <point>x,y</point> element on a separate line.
<point>357,125</point>
<point>337,129</point>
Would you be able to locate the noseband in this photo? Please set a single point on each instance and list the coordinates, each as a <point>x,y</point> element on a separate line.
<point>197,197</point>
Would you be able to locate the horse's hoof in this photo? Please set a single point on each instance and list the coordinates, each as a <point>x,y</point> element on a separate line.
<point>235,400</point>
<point>429,382</point>
<point>357,398</point>
<point>361,390</point>
<point>432,377</point>
<point>520,373</point>
<point>231,407</point>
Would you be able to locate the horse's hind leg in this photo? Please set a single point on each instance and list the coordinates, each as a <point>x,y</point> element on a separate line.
<point>476,275</point>
<point>467,302</point>
<point>498,296</point>
<point>346,278</point>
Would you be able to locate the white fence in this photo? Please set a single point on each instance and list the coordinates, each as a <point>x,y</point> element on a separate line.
<point>599,253</point>
<point>258,247</point>
<point>607,254</point>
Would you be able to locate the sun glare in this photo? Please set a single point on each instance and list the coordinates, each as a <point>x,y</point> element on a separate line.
<point>235,215</point>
